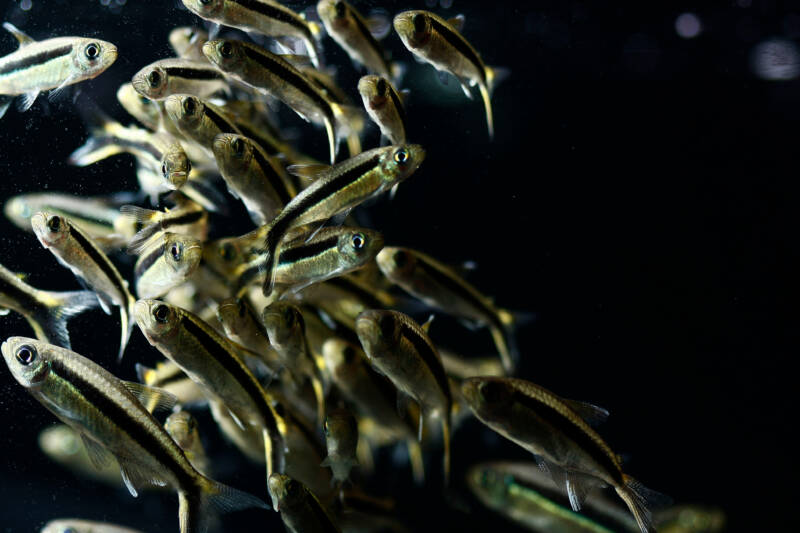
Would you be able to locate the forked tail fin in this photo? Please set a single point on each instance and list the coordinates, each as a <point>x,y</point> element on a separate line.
<point>50,322</point>
<point>641,501</point>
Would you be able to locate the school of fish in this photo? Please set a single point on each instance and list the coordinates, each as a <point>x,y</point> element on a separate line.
<point>298,336</point>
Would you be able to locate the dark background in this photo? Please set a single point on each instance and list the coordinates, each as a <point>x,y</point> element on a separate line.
<point>638,198</point>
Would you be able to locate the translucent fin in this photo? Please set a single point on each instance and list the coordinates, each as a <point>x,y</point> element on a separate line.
<point>307,172</point>
<point>331,138</point>
<point>505,342</point>
<point>50,323</point>
<point>95,149</point>
<point>105,303</point>
<point>467,90</point>
<point>443,76</point>
<point>98,455</point>
<point>126,323</point>
<point>426,327</point>
<point>591,414</point>
<point>416,460</point>
<point>225,499</point>
<point>140,215</point>
<point>62,90</point>
<point>555,472</point>
<point>144,373</point>
<point>152,398</point>
<point>379,25</point>
<point>237,420</point>
<point>128,483</point>
<point>578,487</point>
<point>26,101</point>
<point>23,38</point>
<point>488,105</point>
<point>5,102</point>
<point>641,500</point>
<point>457,23</point>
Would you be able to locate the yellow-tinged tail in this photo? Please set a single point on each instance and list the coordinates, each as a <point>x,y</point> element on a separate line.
<point>494,75</point>
<point>197,506</point>
<point>641,500</point>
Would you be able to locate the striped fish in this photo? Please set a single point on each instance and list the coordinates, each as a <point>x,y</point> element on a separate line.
<point>166,261</point>
<point>109,415</point>
<point>400,349</point>
<point>38,66</point>
<point>75,250</point>
<point>198,120</point>
<point>168,376</point>
<point>440,43</point>
<point>299,507</point>
<point>187,41</point>
<point>559,433</point>
<point>384,105</point>
<point>170,76</point>
<point>187,217</point>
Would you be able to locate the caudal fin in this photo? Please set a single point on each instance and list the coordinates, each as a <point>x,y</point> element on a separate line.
<point>197,507</point>
<point>641,501</point>
<point>505,341</point>
<point>50,322</point>
<point>5,102</point>
<point>494,75</point>
<point>125,314</point>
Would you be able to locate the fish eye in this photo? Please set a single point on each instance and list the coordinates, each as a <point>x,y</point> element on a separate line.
<point>400,259</point>
<point>419,22</point>
<point>288,316</point>
<point>189,106</point>
<point>227,252</point>
<point>154,79</point>
<point>69,529</point>
<point>188,166</point>
<point>492,392</point>
<point>92,50</point>
<point>54,224</point>
<point>144,100</point>
<point>161,313</point>
<point>326,428</point>
<point>341,9</point>
<point>205,2</point>
<point>381,87</point>
<point>349,354</point>
<point>401,156</point>
<point>26,354</point>
<point>226,49</point>
<point>238,147</point>
<point>164,169</point>
<point>176,251</point>
<point>359,241</point>
<point>387,326</point>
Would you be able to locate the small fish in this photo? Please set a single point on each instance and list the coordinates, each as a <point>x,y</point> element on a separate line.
<point>183,429</point>
<point>171,76</point>
<point>198,120</point>
<point>112,421</point>
<point>384,105</point>
<point>186,217</point>
<point>260,68</point>
<point>215,364</point>
<point>187,41</point>
<point>256,178</point>
<point>243,325</point>
<point>169,377</point>
<point>63,445</point>
<point>55,63</point>
<point>341,439</point>
<point>559,433</point>
<point>164,262</point>
<point>459,367</point>
<point>442,287</point>
<point>139,107</point>
<point>343,298</point>
<point>338,189</point>
<point>73,525</point>
<point>400,349</point>
<point>75,250</point>
<point>440,43</point>
<point>299,507</point>
<point>260,16</point>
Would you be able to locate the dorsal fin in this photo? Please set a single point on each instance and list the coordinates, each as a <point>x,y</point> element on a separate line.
<point>152,398</point>
<point>23,38</point>
<point>457,23</point>
<point>591,414</point>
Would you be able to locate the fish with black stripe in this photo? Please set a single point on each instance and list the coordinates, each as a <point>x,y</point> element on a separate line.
<point>384,106</point>
<point>179,76</point>
<point>109,415</point>
<point>187,42</point>
<point>198,120</point>
<point>75,250</point>
<point>165,261</point>
<point>399,348</point>
<point>336,190</point>
<point>187,217</point>
<point>300,509</point>
<point>55,63</point>
<point>440,43</point>
<point>559,433</point>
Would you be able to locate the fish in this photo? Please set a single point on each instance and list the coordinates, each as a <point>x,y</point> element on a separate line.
<point>98,216</point>
<point>357,35</point>
<point>440,286</point>
<point>76,251</point>
<point>253,176</point>
<point>198,120</point>
<point>170,76</point>
<point>74,525</point>
<point>440,43</point>
<point>56,63</point>
<point>343,298</point>
<point>559,433</point>
<point>47,312</point>
<point>165,261</point>
<point>259,68</point>
<point>260,16</point>
<point>384,105</point>
<point>338,189</point>
<point>187,217</point>
<point>187,42</point>
<point>62,444</point>
<point>400,349</point>
<point>112,422</point>
<point>341,439</point>
<point>183,429</point>
<point>243,326</point>
<point>459,367</point>
<point>215,364</point>
<point>300,509</point>
<point>140,107</point>
<point>168,376</point>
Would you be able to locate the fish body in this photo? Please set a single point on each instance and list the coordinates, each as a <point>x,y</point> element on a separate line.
<point>186,217</point>
<point>187,42</point>
<point>440,43</point>
<point>198,120</point>
<point>384,105</point>
<point>63,445</point>
<point>183,429</point>
<point>55,63</point>
<point>300,509</point>
<point>170,76</point>
<point>443,288</point>
<point>166,261</point>
<point>75,250</point>
<point>243,325</point>
<point>552,428</point>
<point>113,422</point>
<point>73,525</point>
<point>341,439</point>
<point>139,107</point>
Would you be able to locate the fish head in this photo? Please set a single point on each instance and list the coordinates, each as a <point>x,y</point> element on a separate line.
<point>232,313</point>
<point>18,211</point>
<point>487,397</point>
<point>339,356</point>
<point>233,152</point>
<point>334,13</point>
<point>223,255</point>
<point>226,54</point>
<point>489,481</point>
<point>51,230</point>
<point>158,321</point>
<point>341,428</point>
<point>175,166</point>
<point>184,37</point>
<point>282,321</point>
<point>359,246</point>
<point>396,263</point>
<point>374,91</point>
<point>205,8</point>
<point>182,427</point>
<point>140,107</point>
<point>152,81</point>
<point>28,360</point>
<point>93,56</point>
<point>377,331</point>
<point>284,490</point>
<point>59,442</point>
<point>182,253</point>
<point>185,110</point>
<point>413,27</point>
<point>398,162</point>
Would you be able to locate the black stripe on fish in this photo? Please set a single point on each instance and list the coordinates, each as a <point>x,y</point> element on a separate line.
<point>119,416</point>
<point>222,124</point>
<point>583,440</point>
<point>459,43</point>
<point>373,43</point>
<point>398,105</point>
<point>307,251</point>
<point>9,289</point>
<point>26,62</point>
<point>429,356</point>
<point>279,13</point>
<point>190,73</point>
<point>100,260</point>
<point>148,260</point>
<point>274,178</point>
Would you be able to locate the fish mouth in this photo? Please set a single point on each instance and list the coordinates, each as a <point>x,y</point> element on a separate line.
<point>173,104</point>
<point>141,311</point>
<point>39,226</point>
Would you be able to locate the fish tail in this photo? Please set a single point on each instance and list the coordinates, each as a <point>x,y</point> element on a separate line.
<point>505,340</point>
<point>50,321</point>
<point>640,500</point>
<point>446,439</point>
<point>349,125</point>
<point>125,314</point>
<point>415,458</point>
<point>5,102</point>
<point>494,75</point>
<point>270,249</point>
<point>331,131</point>
<point>197,506</point>
<point>487,103</point>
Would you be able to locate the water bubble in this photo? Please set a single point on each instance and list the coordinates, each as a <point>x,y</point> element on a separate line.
<point>776,59</point>
<point>688,25</point>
